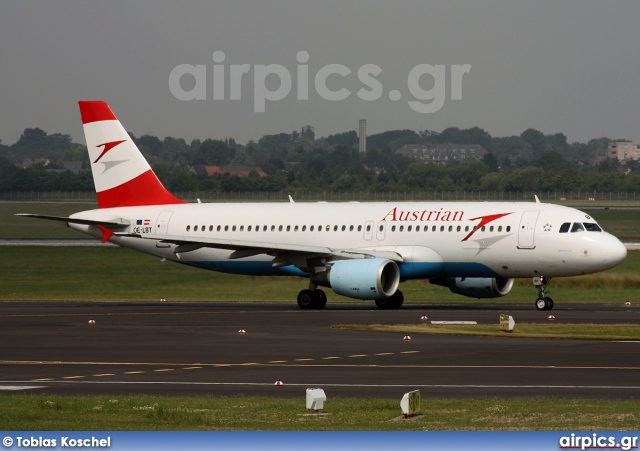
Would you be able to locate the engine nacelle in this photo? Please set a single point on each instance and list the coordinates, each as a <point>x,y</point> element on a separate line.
<point>476,287</point>
<point>368,278</point>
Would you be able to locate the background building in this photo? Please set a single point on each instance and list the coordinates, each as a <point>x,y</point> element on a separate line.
<point>441,153</point>
<point>623,151</point>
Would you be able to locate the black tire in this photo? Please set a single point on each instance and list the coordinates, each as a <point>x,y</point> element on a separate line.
<point>320,299</point>
<point>541,304</point>
<point>549,303</point>
<point>384,304</point>
<point>397,299</point>
<point>306,299</point>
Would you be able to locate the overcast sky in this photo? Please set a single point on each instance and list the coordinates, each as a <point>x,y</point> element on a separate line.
<point>570,66</point>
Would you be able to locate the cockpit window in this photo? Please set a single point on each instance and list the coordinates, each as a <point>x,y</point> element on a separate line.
<point>564,228</point>
<point>591,227</point>
<point>577,227</point>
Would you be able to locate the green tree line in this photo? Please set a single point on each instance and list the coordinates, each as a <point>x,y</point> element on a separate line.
<point>531,161</point>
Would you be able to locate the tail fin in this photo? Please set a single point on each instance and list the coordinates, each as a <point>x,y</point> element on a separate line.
<point>121,175</point>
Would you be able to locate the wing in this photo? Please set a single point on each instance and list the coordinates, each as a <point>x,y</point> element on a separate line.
<point>303,256</point>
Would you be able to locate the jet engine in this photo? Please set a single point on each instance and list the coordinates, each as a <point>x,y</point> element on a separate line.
<point>368,278</point>
<point>476,287</point>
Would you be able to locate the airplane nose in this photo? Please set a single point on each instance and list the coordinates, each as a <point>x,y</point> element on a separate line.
<point>613,251</point>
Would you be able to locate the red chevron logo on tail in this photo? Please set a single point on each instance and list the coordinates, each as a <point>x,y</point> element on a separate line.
<point>107,147</point>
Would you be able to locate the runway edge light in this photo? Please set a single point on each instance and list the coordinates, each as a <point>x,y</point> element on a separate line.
<point>410,404</point>
<point>507,323</point>
<point>315,399</point>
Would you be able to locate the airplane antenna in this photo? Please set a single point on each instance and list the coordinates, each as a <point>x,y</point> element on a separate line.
<point>537,200</point>
<point>291,199</point>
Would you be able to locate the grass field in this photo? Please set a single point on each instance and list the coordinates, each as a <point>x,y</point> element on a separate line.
<point>113,273</point>
<point>22,412</point>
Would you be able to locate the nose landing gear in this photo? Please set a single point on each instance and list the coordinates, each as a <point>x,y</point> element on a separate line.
<point>543,302</point>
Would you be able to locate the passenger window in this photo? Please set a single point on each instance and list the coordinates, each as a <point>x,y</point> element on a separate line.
<point>508,228</point>
<point>248,228</point>
<point>226,228</point>
<point>280,229</point>
<point>564,228</point>
<point>233,229</point>
<point>393,228</point>
<point>288,228</point>
<point>218,228</point>
<point>499,228</point>
<point>335,228</point>
<point>344,228</point>
<point>350,228</point>
<point>592,227</point>
<point>433,229</point>
<point>195,229</point>
<point>369,228</point>
<point>264,228</point>
<point>295,229</point>
<point>242,228</point>
<point>409,229</point>
<point>426,228</point>
<point>458,229</point>
<point>273,228</point>
<point>577,227</point>
<point>491,229</point>
<point>359,228</point>
<point>442,228</point>
<point>310,229</point>
<point>401,228</point>
<point>188,228</point>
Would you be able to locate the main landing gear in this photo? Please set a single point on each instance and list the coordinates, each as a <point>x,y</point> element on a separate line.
<point>312,299</point>
<point>392,302</point>
<point>543,302</point>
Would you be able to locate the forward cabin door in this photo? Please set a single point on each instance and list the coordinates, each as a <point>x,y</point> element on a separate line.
<point>526,239</point>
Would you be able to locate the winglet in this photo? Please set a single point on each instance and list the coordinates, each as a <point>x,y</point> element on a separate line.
<point>537,200</point>
<point>291,199</point>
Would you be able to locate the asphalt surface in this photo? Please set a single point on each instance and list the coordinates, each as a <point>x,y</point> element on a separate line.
<point>196,349</point>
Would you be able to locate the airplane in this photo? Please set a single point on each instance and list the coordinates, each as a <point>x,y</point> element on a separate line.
<point>358,250</point>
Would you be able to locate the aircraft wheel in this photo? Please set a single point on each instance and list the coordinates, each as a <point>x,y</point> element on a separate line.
<point>397,299</point>
<point>306,299</point>
<point>320,299</point>
<point>541,304</point>
<point>384,304</point>
<point>549,303</point>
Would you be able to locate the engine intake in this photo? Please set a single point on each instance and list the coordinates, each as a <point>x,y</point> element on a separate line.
<point>476,287</point>
<point>369,278</point>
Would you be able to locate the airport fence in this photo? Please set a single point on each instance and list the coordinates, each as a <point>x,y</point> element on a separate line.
<point>345,196</point>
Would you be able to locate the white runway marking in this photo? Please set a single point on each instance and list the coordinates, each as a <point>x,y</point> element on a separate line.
<point>20,387</point>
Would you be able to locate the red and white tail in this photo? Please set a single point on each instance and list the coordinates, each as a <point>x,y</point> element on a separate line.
<point>121,175</point>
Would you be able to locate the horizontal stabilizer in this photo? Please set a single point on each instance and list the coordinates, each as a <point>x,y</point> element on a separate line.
<point>76,220</point>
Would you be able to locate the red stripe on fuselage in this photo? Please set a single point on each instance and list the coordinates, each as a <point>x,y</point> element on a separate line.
<point>145,189</point>
<point>95,110</point>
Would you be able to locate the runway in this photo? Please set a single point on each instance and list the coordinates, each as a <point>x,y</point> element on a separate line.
<point>195,349</point>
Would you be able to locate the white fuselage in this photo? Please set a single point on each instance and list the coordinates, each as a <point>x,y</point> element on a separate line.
<point>434,239</point>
